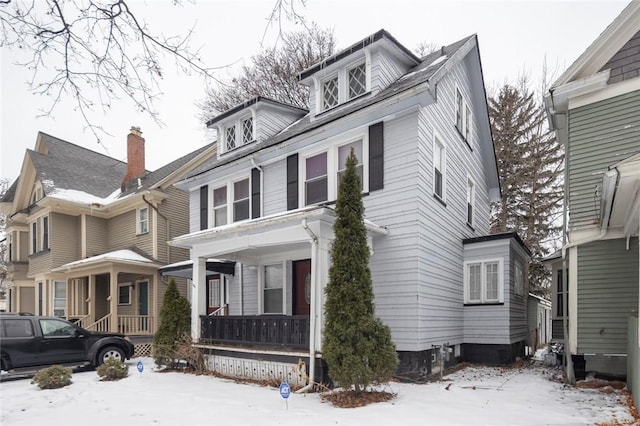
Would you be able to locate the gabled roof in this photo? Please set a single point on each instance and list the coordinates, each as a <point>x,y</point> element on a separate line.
<point>257,99</point>
<point>623,28</point>
<point>430,68</point>
<point>7,197</point>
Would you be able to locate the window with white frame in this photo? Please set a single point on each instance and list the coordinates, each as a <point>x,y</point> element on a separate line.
<point>124,294</point>
<point>143,220</point>
<point>241,200</point>
<point>60,298</point>
<point>10,256</point>
<point>273,283</point>
<point>214,292</point>
<point>330,94</point>
<point>247,130</point>
<point>483,281</point>
<point>230,137</point>
<point>343,154</point>
<point>357,77</point>
<point>463,116</point>
<point>439,164</point>
<point>316,182</point>
<point>220,206</point>
<point>471,200</point>
<point>45,232</point>
<point>519,279</point>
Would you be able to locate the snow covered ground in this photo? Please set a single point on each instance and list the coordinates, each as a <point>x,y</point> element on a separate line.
<point>476,395</point>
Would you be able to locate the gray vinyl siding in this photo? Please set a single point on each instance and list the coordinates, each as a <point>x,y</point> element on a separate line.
<point>249,291</point>
<point>64,238</point>
<point>123,229</point>
<point>97,236</point>
<point>384,71</point>
<point>23,256</point>
<point>175,208</point>
<point>274,197</point>
<point>518,329</point>
<point>194,209</point>
<point>625,64</point>
<point>600,135</point>
<point>269,122</point>
<point>607,295</point>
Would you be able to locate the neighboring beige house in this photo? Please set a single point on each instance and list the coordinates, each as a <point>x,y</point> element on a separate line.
<point>87,234</point>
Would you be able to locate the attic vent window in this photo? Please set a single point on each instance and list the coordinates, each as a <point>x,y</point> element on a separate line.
<point>247,130</point>
<point>330,93</point>
<point>357,81</point>
<point>230,138</point>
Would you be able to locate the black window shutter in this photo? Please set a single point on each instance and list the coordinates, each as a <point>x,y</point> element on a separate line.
<point>204,207</point>
<point>376,157</point>
<point>292,182</point>
<point>255,193</point>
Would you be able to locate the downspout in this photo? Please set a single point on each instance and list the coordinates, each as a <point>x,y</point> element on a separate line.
<point>313,309</point>
<point>168,227</point>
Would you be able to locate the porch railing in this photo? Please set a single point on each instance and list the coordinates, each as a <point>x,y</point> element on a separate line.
<point>261,330</point>
<point>135,324</point>
<point>101,326</point>
<point>80,320</point>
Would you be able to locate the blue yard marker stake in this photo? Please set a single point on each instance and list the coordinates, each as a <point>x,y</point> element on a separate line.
<point>285,391</point>
<point>140,367</point>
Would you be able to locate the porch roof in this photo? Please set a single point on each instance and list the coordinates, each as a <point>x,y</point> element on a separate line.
<point>621,196</point>
<point>126,256</point>
<point>185,269</point>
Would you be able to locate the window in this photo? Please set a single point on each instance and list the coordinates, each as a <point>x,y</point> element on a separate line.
<point>220,206</point>
<point>519,279</point>
<point>439,162</point>
<point>60,298</point>
<point>561,293</point>
<point>273,284</point>
<point>17,328</point>
<point>463,117</point>
<point>230,137</point>
<point>357,81</point>
<point>45,232</point>
<point>241,200</point>
<point>214,293</point>
<point>143,220</point>
<point>330,93</point>
<point>315,184</point>
<point>124,294</point>
<point>247,130</point>
<point>471,200</point>
<point>56,328</point>
<point>343,154</point>
<point>10,251</point>
<point>34,237</point>
<point>483,282</point>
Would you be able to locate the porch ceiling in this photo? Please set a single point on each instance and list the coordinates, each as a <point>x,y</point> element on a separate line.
<point>185,269</point>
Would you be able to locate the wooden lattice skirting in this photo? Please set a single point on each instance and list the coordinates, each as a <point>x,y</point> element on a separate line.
<point>142,349</point>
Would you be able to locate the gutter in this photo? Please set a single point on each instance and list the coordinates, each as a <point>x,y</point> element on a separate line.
<point>313,313</point>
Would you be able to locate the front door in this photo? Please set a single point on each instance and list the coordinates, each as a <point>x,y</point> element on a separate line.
<point>213,293</point>
<point>143,305</point>
<point>302,287</point>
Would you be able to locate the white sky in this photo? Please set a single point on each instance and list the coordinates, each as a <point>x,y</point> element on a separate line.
<point>476,396</point>
<point>515,36</point>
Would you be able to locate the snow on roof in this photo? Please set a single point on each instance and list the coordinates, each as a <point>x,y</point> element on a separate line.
<point>81,197</point>
<point>127,256</point>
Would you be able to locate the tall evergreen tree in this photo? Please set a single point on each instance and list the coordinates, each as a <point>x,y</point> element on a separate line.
<point>175,322</point>
<point>357,346</point>
<point>530,166</point>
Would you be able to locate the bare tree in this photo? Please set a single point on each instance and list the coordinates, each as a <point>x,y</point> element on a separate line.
<point>530,165</point>
<point>424,48</point>
<point>5,285</point>
<point>101,50</point>
<point>273,72</point>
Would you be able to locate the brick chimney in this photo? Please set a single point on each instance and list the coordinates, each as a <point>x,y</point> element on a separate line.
<point>135,158</point>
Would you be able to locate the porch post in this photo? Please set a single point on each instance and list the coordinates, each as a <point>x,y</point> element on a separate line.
<point>113,300</point>
<point>198,295</point>
<point>91,308</point>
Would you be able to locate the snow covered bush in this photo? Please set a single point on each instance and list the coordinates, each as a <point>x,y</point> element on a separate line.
<point>113,369</point>
<point>53,377</point>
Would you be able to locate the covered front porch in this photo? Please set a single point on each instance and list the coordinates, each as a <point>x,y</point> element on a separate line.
<point>112,292</point>
<point>271,309</point>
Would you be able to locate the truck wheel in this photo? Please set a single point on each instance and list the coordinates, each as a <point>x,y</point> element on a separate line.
<point>110,352</point>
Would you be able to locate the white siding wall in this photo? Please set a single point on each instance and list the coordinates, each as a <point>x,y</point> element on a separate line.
<point>384,71</point>
<point>269,122</point>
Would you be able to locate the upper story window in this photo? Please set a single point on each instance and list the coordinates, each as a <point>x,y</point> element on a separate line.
<point>439,167</point>
<point>220,206</point>
<point>343,154</point>
<point>463,117</point>
<point>330,94</point>
<point>36,195</point>
<point>143,220</point>
<point>247,130</point>
<point>471,200</point>
<point>45,232</point>
<point>10,247</point>
<point>230,138</point>
<point>241,200</point>
<point>357,80</point>
<point>237,133</point>
<point>483,282</point>
<point>315,183</point>
<point>39,234</point>
<point>34,237</point>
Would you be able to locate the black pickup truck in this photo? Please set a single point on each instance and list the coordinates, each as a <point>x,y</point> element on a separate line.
<point>28,341</point>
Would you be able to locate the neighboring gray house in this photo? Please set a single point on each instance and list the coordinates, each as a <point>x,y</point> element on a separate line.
<point>595,109</point>
<point>538,321</point>
<point>420,129</point>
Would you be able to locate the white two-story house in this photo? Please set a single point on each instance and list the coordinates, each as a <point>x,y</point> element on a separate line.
<point>264,203</point>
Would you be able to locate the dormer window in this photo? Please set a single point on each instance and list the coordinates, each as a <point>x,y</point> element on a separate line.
<point>357,80</point>
<point>247,130</point>
<point>238,133</point>
<point>330,93</point>
<point>230,137</point>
